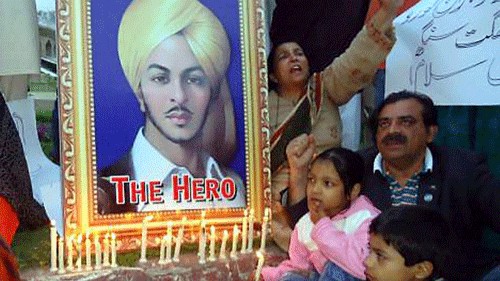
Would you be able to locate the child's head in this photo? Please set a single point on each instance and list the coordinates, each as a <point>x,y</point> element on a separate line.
<point>407,243</point>
<point>334,180</point>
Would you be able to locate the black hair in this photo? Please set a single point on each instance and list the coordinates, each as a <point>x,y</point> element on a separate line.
<point>349,166</point>
<point>429,111</point>
<point>270,61</point>
<point>418,234</point>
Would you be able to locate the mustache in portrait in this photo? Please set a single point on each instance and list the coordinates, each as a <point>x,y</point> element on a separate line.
<point>178,108</point>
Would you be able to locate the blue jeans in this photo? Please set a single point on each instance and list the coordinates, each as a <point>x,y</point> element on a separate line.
<point>332,272</point>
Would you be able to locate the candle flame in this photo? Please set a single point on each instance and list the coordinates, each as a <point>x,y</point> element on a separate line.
<point>259,255</point>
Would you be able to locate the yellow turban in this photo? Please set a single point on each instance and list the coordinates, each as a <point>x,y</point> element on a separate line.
<point>146,23</point>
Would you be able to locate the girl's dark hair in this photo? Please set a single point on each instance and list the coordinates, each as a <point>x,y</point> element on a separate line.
<point>348,164</point>
<point>270,68</point>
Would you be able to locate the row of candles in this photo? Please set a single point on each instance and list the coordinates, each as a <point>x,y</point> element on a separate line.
<point>102,257</point>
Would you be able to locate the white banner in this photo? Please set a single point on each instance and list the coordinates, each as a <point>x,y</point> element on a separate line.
<point>449,50</point>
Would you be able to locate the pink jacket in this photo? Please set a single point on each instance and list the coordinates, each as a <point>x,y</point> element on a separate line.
<point>342,240</point>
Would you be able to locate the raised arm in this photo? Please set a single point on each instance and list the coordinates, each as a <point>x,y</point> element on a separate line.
<point>355,68</point>
<point>299,153</point>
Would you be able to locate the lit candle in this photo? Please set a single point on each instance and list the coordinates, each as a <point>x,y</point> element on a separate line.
<point>88,255</point>
<point>236,231</point>
<point>264,231</point>
<point>250,230</point>
<point>244,232</point>
<point>113,250</point>
<point>178,240</point>
<point>168,257</point>
<point>225,236</point>
<point>170,225</point>
<point>98,253</point>
<point>69,245</point>
<point>79,250</point>
<point>53,246</point>
<point>61,256</point>
<point>203,242</point>
<point>162,250</point>
<point>260,264</point>
<point>202,231</point>
<point>106,250</point>
<point>212,244</point>
<point>144,238</point>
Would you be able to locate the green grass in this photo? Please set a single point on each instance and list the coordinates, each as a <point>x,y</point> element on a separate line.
<point>32,248</point>
<point>44,118</point>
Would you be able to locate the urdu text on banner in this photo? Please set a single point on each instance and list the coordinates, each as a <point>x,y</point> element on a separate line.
<point>449,50</point>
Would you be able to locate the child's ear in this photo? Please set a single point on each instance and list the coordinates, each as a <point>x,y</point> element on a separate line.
<point>423,270</point>
<point>356,189</point>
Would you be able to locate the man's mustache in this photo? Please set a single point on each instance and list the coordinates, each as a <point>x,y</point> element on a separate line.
<point>398,138</point>
<point>179,108</point>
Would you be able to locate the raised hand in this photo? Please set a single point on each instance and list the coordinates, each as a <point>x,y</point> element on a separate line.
<point>316,211</point>
<point>300,151</point>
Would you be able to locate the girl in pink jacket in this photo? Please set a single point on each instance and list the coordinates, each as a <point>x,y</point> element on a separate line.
<point>331,241</point>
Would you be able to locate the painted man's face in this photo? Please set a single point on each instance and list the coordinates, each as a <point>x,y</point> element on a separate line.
<point>174,93</point>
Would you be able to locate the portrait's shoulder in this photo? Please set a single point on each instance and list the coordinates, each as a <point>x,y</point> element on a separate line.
<point>228,172</point>
<point>121,167</point>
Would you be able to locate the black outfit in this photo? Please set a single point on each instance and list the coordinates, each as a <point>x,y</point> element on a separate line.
<point>462,188</point>
<point>15,182</point>
<point>323,28</point>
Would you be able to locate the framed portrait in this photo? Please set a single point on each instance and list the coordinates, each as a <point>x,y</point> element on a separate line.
<point>163,114</point>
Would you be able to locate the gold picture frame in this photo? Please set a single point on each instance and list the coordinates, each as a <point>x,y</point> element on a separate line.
<point>86,62</point>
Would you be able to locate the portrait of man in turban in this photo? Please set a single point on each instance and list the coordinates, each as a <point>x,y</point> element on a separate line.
<point>174,55</point>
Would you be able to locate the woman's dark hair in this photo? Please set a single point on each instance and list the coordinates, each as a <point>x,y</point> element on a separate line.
<point>348,164</point>
<point>429,111</point>
<point>419,234</point>
<point>270,62</point>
